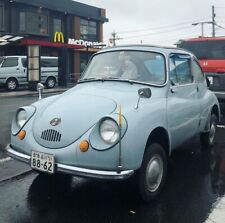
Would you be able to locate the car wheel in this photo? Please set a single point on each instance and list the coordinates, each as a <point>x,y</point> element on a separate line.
<point>152,174</point>
<point>208,138</point>
<point>50,83</point>
<point>11,84</point>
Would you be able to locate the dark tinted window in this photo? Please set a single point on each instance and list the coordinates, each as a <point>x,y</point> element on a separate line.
<point>88,30</point>
<point>38,22</point>
<point>180,69</point>
<point>57,25</point>
<point>24,62</point>
<point>206,49</point>
<point>10,62</point>
<point>49,62</point>
<point>1,17</point>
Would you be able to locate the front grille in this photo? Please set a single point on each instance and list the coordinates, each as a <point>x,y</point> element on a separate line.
<point>51,135</point>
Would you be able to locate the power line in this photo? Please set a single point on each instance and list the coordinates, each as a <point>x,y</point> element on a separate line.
<point>156,28</point>
<point>157,33</point>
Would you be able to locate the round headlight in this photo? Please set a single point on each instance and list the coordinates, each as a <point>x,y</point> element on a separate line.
<point>21,118</point>
<point>109,131</point>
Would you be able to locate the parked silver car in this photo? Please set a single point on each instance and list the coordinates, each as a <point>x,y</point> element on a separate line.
<point>132,107</point>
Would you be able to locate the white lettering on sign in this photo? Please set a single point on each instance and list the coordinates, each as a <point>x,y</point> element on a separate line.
<point>84,43</point>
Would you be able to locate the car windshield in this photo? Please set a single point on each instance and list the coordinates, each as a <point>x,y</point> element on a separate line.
<point>138,66</point>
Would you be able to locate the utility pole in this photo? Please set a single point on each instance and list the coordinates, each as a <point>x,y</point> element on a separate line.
<point>213,22</point>
<point>114,38</point>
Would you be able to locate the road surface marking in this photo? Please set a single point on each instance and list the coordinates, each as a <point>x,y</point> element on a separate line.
<point>221,126</point>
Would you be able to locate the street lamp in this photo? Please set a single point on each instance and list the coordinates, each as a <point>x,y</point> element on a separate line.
<point>202,25</point>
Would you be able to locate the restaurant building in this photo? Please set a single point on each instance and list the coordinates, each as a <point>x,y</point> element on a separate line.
<point>68,29</point>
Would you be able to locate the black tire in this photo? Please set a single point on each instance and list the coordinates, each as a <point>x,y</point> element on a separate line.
<point>154,159</point>
<point>11,84</point>
<point>50,82</point>
<point>207,139</point>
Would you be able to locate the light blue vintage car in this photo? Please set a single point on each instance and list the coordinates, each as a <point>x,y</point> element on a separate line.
<point>132,107</point>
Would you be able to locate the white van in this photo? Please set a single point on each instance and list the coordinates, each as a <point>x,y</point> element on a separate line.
<point>13,71</point>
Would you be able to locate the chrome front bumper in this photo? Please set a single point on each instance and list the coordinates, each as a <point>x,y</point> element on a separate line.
<point>76,171</point>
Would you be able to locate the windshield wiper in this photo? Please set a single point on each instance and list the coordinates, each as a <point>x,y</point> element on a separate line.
<point>106,78</point>
<point>89,79</point>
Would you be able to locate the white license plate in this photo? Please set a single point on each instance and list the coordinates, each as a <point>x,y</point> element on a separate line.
<point>210,80</point>
<point>42,161</point>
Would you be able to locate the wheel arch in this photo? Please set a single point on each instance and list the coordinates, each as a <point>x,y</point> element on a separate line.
<point>161,136</point>
<point>11,77</point>
<point>51,76</point>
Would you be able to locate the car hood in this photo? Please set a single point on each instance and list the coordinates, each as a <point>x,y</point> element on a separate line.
<point>62,121</point>
<point>81,107</point>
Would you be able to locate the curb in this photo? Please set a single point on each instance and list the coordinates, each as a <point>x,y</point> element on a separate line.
<point>16,176</point>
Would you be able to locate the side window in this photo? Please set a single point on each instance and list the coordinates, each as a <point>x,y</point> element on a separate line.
<point>197,72</point>
<point>24,62</point>
<point>49,63</point>
<point>10,62</point>
<point>180,69</point>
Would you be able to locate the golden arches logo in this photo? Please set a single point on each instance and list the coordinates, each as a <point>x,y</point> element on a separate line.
<point>58,37</point>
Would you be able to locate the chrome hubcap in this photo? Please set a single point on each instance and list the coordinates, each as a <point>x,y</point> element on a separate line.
<point>154,173</point>
<point>11,85</point>
<point>51,83</point>
<point>212,132</point>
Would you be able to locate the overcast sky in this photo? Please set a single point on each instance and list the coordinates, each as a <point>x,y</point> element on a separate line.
<point>161,22</point>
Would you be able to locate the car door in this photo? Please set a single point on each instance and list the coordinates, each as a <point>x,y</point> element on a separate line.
<point>9,67</point>
<point>202,92</point>
<point>182,102</point>
<point>23,70</point>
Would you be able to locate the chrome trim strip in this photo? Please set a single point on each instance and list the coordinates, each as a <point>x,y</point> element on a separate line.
<point>95,173</point>
<point>17,155</point>
<point>76,171</point>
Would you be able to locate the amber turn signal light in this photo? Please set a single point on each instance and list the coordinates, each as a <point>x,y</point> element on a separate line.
<point>22,134</point>
<point>84,145</point>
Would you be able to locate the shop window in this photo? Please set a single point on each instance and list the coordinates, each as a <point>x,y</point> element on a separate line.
<point>22,21</point>
<point>34,23</point>
<point>88,30</point>
<point>1,17</point>
<point>57,25</point>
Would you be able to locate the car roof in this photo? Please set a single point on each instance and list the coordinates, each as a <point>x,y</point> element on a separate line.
<point>44,57</point>
<point>166,50</point>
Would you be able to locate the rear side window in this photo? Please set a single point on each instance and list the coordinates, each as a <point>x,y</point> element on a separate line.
<point>180,69</point>
<point>49,62</point>
<point>197,72</point>
<point>10,62</point>
<point>24,62</point>
<point>1,59</point>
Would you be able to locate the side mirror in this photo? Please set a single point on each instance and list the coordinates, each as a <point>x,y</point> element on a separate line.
<point>40,88</point>
<point>143,93</point>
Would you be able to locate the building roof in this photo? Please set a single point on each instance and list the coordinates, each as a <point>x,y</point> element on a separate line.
<point>67,6</point>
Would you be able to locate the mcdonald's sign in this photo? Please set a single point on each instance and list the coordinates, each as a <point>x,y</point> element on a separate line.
<point>58,37</point>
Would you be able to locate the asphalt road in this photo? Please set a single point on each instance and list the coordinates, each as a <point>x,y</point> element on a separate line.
<point>195,185</point>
